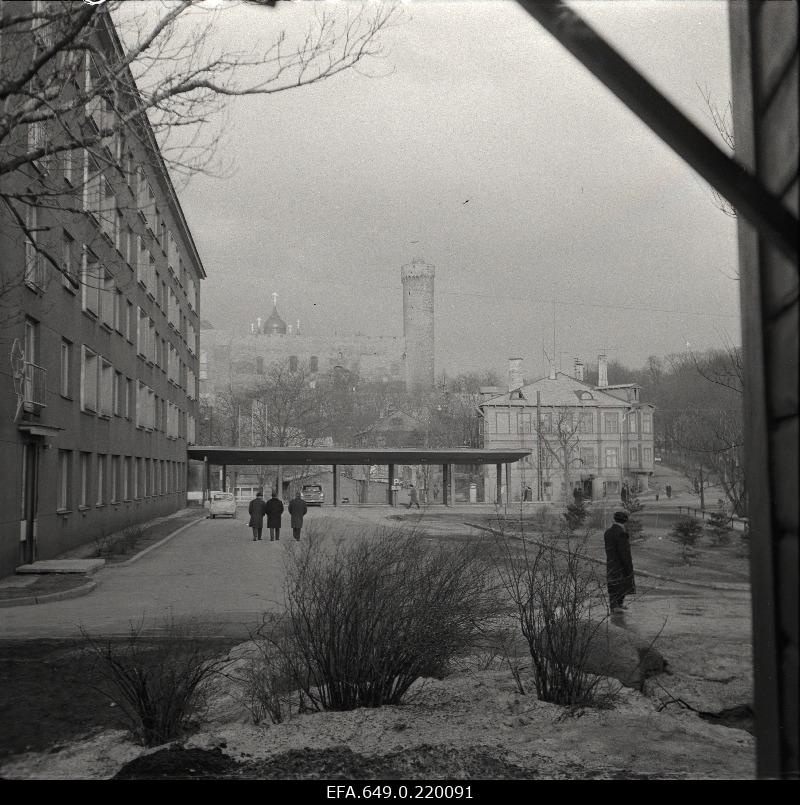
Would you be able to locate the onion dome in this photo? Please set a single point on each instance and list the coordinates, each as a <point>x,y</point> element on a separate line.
<point>274,325</point>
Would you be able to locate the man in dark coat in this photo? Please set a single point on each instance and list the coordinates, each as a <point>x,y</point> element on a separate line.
<point>619,565</point>
<point>257,510</point>
<point>274,511</point>
<point>297,509</point>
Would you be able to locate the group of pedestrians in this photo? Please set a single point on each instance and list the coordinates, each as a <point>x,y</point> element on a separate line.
<point>273,509</point>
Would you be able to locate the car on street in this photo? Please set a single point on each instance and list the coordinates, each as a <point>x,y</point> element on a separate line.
<point>312,494</point>
<point>221,504</point>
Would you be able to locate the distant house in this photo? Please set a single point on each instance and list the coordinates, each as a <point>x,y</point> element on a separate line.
<point>593,439</point>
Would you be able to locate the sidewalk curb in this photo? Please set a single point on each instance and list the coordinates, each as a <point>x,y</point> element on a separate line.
<point>75,592</point>
<point>155,545</point>
<point>85,589</point>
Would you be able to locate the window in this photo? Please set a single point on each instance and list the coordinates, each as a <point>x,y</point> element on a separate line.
<point>92,277</point>
<point>142,332</point>
<point>92,186</point>
<point>545,422</point>
<point>89,369</point>
<point>119,233</point>
<point>107,298</point>
<point>116,477</point>
<point>66,350</point>
<point>129,404</point>
<point>106,402</point>
<point>130,248</point>
<point>586,422</point>
<point>647,455</point>
<point>525,422</point>
<point>611,423</point>
<point>69,262</point>
<point>68,167</point>
<point>647,423</point>
<point>83,499</point>
<point>120,312</point>
<point>34,262</point>
<point>611,457</point>
<point>64,480</point>
<point>127,463</point>
<point>37,141</point>
<point>119,394</point>
<point>130,322</point>
<point>587,457</point>
<point>502,422</point>
<point>634,456</point>
<point>108,211</point>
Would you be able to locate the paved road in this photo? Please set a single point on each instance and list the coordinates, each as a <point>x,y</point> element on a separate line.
<point>214,572</point>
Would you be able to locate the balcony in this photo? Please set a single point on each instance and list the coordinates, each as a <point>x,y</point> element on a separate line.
<point>34,388</point>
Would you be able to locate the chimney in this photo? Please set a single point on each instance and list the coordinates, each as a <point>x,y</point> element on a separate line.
<point>258,324</point>
<point>514,374</point>
<point>297,329</point>
<point>602,371</point>
<point>579,369</point>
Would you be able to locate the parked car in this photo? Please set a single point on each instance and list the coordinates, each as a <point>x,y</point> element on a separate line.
<point>312,494</point>
<point>222,504</point>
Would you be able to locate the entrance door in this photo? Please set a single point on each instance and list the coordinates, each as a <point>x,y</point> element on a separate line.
<point>28,515</point>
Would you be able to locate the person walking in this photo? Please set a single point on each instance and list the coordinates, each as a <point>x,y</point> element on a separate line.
<point>413,498</point>
<point>257,509</point>
<point>619,564</point>
<point>297,510</point>
<point>274,508</point>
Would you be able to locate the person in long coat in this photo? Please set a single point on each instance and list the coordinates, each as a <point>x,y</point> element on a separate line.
<point>619,564</point>
<point>297,509</point>
<point>274,511</point>
<point>257,510</point>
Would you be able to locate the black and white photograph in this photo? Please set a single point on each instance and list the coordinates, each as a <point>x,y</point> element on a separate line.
<point>399,398</point>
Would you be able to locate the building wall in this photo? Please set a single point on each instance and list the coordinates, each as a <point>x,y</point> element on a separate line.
<point>512,426</point>
<point>98,324</point>
<point>233,360</point>
<point>418,324</point>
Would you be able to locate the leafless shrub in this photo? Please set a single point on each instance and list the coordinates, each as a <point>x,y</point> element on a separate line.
<point>368,616</point>
<point>556,593</point>
<point>103,545</point>
<point>160,684</point>
<point>130,536</point>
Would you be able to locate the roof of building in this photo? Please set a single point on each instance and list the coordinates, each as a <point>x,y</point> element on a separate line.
<point>559,391</point>
<point>274,325</point>
<point>394,421</point>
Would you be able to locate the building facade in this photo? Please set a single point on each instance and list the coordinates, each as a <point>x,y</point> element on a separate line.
<point>597,440</point>
<point>100,304</point>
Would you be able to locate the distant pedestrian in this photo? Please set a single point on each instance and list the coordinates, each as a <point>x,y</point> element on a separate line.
<point>619,564</point>
<point>297,510</point>
<point>257,509</point>
<point>274,508</point>
<point>669,490</point>
<point>413,499</point>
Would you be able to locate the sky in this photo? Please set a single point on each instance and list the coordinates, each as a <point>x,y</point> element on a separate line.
<point>558,223</point>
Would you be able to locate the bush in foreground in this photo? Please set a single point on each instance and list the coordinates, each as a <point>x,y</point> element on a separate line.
<point>159,684</point>
<point>365,619</point>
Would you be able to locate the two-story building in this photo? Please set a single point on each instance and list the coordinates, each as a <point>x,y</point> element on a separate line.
<point>594,439</point>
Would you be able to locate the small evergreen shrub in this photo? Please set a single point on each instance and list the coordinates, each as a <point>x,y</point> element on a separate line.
<point>687,531</point>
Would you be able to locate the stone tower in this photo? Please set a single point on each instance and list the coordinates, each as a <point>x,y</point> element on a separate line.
<point>417,278</point>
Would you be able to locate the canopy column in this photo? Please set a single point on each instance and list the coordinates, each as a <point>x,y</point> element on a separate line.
<point>224,476</point>
<point>206,478</point>
<point>499,494</point>
<point>335,468</point>
<point>390,485</point>
<point>451,485</point>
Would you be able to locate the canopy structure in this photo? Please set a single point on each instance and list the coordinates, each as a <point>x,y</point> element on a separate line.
<point>336,456</point>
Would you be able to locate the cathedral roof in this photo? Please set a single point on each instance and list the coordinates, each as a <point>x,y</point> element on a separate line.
<point>274,325</point>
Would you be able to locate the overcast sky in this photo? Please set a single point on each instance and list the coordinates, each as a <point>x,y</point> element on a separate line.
<point>570,198</point>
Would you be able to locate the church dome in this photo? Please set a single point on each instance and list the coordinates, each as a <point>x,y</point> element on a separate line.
<point>275,325</point>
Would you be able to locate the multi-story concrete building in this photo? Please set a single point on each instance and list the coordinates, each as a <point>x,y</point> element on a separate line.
<point>99,398</point>
<point>596,439</point>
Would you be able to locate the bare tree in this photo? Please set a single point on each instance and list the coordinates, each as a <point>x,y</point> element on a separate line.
<point>722,118</point>
<point>557,432</point>
<point>81,83</point>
